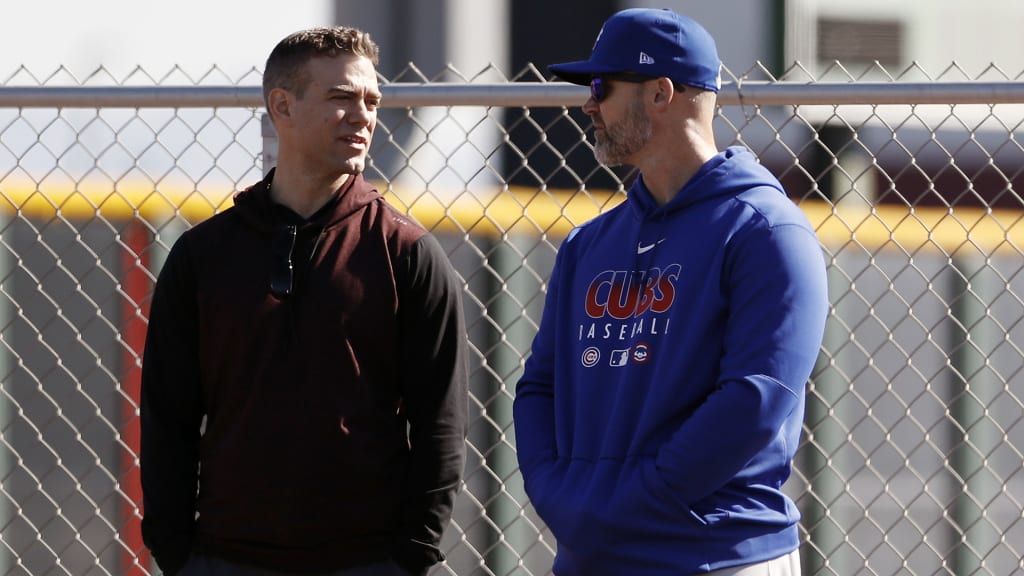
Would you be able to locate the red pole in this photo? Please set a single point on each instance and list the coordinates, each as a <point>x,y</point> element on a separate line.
<point>137,287</point>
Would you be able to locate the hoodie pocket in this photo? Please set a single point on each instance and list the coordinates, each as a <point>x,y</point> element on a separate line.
<point>556,495</point>
<point>612,514</point>
<point>661,495</point>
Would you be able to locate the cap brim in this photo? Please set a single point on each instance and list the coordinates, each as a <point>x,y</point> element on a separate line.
<point>580,72</point>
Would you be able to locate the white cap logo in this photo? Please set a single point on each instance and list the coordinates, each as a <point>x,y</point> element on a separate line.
<point>645,59</point>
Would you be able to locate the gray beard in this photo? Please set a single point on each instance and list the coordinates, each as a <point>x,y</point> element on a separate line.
<point>624,139</point>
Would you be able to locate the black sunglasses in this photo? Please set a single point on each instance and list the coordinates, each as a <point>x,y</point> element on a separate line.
<point>281,275</point>
<point>599,87</point>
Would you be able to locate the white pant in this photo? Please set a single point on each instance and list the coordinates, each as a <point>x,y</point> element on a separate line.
<point>788,565</point>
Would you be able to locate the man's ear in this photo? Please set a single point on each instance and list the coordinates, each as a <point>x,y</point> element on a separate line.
<point>279,104</point>
<point>665,91</point>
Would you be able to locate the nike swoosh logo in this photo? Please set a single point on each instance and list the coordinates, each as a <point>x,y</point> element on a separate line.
<point>640,248</point>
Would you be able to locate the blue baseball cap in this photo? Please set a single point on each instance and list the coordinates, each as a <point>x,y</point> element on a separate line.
<point>652,42</point>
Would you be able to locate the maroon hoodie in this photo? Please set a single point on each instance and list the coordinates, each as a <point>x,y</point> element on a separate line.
<point>335,415</point>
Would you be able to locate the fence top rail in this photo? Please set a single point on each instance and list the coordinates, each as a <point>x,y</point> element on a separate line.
<point>516,94</point>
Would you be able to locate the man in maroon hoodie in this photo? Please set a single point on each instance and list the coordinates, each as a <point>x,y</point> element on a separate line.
<point>304,380</point>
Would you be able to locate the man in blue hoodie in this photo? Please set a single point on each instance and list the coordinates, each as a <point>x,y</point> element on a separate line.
<point>661,407</point>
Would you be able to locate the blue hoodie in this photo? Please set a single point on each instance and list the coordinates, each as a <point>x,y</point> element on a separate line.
<point>660,409</point>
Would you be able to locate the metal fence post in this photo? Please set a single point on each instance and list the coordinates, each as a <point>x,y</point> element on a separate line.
<point>846,178</point>
<point>973,389</point>
<point>822,438</point>
<point>507,497</point>
<point>7,463</point>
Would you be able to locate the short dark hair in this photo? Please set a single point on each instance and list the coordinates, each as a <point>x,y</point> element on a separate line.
<point>286,65</point>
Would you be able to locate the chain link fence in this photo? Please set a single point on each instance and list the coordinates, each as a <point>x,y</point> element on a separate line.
<point>912,459</point>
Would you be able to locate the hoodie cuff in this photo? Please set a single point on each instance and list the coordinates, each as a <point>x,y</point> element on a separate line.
<point>171,564</point>
<point>416,558</point>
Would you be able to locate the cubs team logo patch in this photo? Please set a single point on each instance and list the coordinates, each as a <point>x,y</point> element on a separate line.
<point>641,353</point>
<point>591,356</point>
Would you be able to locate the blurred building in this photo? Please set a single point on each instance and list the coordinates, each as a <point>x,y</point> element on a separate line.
<point>798,40</point>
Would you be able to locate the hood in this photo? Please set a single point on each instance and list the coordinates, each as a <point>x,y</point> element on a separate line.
<point>257,209</point>
<point>731,171</point>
